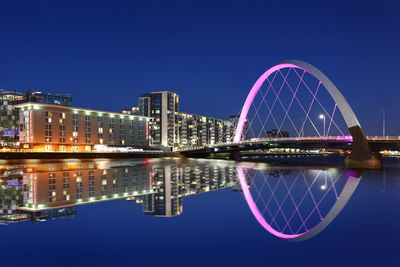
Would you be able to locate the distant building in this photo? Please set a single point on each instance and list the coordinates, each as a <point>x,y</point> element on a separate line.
<point>47,98</point>
<point>234,119</point>
<point>275,133</point>
<point>59,128</point>
<point>9,117</point>
<point>196,131</point>
<point>132,111</point>
<point>175,129</point>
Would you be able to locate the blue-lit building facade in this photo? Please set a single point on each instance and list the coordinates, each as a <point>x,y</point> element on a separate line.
<point>9,116</point>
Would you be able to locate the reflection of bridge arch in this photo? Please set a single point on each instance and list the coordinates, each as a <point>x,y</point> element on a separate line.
<point>342,199</point>
<point>361,153</point>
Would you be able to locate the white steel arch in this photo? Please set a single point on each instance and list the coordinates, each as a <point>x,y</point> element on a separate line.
<point>344,107</point>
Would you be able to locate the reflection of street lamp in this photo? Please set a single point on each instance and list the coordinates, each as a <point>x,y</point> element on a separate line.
<point>324,186</point>
<point>322,117</point>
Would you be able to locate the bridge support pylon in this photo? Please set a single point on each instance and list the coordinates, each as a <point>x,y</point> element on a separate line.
<point>361,156</point>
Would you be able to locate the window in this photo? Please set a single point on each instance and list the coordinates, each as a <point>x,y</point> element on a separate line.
<point>52,187</point>
<point>87,129</point>
<point>48,130</point>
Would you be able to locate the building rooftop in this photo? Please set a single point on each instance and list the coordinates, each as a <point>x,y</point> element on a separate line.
<point>35,105</point>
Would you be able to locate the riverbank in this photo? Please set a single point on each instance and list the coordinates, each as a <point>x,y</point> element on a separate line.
<point>82,155</point>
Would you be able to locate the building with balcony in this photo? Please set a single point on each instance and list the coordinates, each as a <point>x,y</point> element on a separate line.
<point>45,127</point>
<point>9,116</point>
<point>162,106</point>
<point>174,129</point>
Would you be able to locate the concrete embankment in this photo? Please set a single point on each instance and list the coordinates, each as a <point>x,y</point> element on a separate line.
<point>80,155</point>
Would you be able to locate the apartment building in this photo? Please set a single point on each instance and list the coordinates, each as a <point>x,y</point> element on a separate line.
<point>45,127</point>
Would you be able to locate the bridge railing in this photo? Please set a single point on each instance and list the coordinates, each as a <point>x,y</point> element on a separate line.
<point>386,137</point>
<point>345,138</point>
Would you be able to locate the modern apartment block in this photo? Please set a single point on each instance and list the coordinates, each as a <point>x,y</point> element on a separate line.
<point>9,116</point>
<point>175,129</point>
<point>47,127</point>
<point>196,131</point>
<point>162,106</point>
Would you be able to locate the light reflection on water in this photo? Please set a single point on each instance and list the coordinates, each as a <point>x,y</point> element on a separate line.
<point>92,206</point>
<point>42,191</point>
<point>290,202</point>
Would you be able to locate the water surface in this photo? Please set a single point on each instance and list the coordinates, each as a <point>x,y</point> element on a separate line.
<point>194,212</point>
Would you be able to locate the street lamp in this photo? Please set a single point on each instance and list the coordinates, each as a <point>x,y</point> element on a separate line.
<point>383,123</point>
<point>322,117</point>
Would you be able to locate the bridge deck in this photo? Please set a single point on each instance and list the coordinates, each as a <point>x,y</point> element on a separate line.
<point>376,143</point>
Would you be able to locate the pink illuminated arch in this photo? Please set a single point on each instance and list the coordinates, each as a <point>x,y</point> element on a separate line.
<point>345,109</point>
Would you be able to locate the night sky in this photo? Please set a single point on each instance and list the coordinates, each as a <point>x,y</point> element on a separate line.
<point>106,53</point>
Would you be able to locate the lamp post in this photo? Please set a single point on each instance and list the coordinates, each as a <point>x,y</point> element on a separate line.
<point>383,123</point>
<point>322,117</point>
<point>301,129</point>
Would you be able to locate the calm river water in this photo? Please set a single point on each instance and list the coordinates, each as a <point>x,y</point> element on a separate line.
<point>197,212</point>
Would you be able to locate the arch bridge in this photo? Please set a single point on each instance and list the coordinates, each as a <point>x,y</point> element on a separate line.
<point>290,95</point>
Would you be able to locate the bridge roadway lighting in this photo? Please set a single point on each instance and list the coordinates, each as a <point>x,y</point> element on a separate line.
<point>322,117</point>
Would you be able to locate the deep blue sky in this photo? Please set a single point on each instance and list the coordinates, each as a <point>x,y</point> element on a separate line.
<point>106,53</point>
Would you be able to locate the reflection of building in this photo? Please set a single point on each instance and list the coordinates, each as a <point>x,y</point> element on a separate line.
<point>51,214</point>
<point>278,172</point>
<point>59,128</point>
<point>166,200</point>
<point>175,181</point>
<point>11,195</point>
<point>64,185</point>
<point>175,129</point>
<point>41,192</point>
